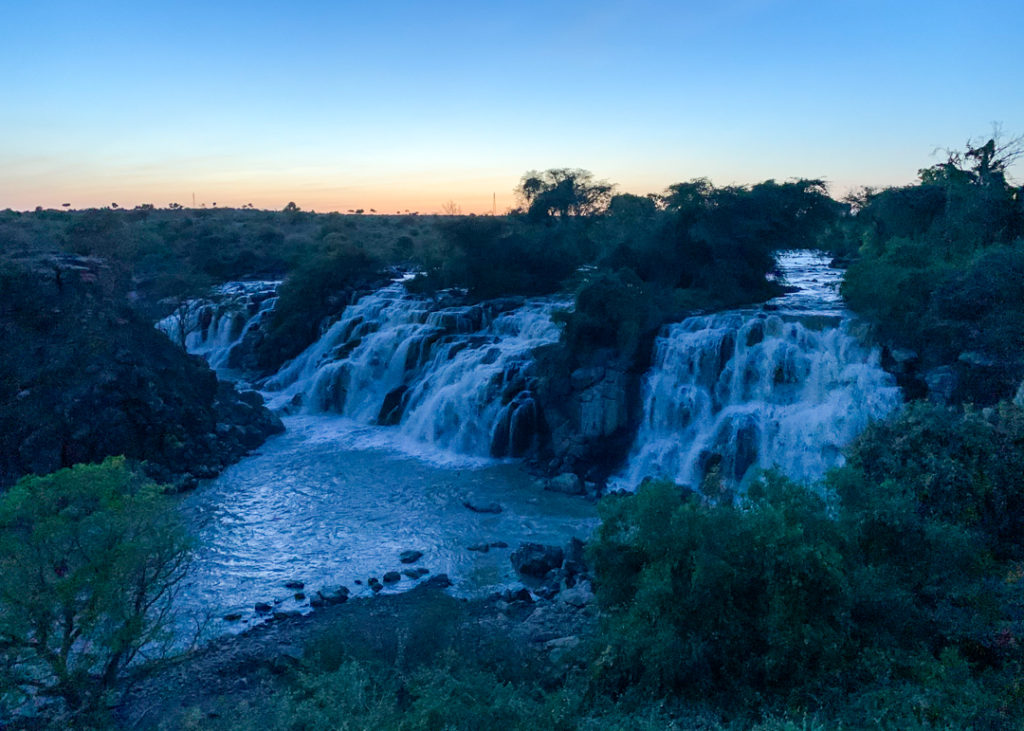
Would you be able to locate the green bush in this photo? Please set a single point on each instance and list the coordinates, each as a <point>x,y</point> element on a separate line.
<point>317,288</point>
<point>613,310</point>
<point>940,270</point>
<point>784,601</point>
<point>89,561</point>
<point>964,467</point>
<point>494,257</point>
<point>715,600</point>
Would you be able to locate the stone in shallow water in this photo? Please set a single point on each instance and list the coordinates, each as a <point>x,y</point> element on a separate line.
<point>410,556</point>
<point>482,507</point>
<point>566,483</point>
<point>391,577</point>
<point>330,595</point>
<point>535,559</point>
<point>441,581</point>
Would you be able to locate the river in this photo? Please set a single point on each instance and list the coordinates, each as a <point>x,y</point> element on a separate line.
<point>335,499</point>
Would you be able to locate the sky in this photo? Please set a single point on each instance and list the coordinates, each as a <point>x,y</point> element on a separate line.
<point>410,105</point>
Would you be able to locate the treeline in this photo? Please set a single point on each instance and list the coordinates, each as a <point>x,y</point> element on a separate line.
<point>632,262</point>
<point>938,271</point>
<point>179,253</point>
<point>694,245</point>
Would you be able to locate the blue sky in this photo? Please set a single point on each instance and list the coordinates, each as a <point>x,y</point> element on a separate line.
<point>407,105</point>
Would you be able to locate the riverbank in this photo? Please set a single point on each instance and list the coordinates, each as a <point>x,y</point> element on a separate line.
<point>219,684</point>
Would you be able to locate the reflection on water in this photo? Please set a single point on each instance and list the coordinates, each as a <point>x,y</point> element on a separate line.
<point>321,506</point>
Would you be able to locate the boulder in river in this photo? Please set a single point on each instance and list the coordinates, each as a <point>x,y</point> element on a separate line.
<point>440,581</point>
<point>535,559</point>
<point>578,596</point>
<point>410,556</point>
<point>391,577</point>
<point>329,595</point>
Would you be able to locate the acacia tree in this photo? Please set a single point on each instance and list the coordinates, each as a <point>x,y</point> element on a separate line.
<point>90,558</point>
<point>563,192</point>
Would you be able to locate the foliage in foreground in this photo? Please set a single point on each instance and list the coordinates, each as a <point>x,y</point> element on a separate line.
<point>89,561</point>
<point>886,602</point>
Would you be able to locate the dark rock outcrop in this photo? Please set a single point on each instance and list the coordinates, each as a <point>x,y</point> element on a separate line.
<point>84,376</point>
<point>535,559</point>
<point>588,415</point>
<point>946,377</point>
<point>566,483</point>
<point>410,556</point>
<point>439,581</point>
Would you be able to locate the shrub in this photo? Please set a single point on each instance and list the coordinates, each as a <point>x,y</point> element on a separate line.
<point>721,600</point>
<point>89,561</point>
<point>492,257</point>
<point>613,310</point>
<point>317,288</point>
<point>964,467</point>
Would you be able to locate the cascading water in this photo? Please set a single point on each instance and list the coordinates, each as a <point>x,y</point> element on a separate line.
<point>785,385</point>
<point>452,379</point>
<point>215,327</point>
<point>333,500</point>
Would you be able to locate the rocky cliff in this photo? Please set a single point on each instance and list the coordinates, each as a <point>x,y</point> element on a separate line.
<point>82,376</point>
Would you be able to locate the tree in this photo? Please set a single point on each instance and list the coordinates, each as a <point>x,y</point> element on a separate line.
<point>563,192</point>
<point>90,558</point>
<point>978,164</point>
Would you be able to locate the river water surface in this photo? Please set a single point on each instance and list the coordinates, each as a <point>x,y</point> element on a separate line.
<point>326,503</point>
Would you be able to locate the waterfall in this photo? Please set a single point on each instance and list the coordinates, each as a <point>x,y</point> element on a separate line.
<point>216,326</point>
<point>786,385</point>
<point>451,378</point>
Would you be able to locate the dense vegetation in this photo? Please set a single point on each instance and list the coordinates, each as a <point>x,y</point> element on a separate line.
<point>90,558</point>
<point>940,270</point>
<point>162,257</point>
